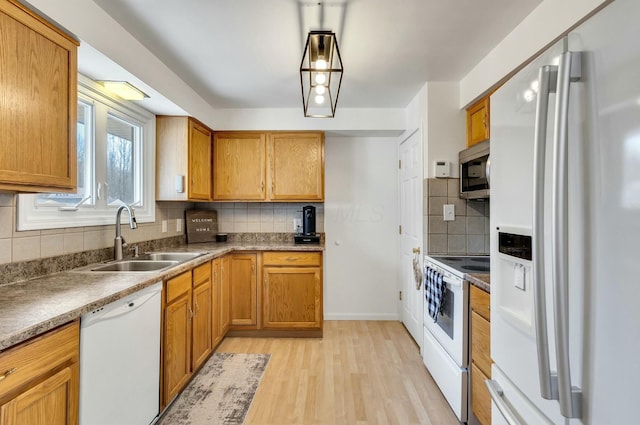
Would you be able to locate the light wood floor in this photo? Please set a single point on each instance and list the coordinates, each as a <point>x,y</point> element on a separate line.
<point>359,373</point>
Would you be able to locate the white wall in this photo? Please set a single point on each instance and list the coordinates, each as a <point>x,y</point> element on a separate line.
<point>361,223</point>
<point>550,20</point>
<point>446,129</point>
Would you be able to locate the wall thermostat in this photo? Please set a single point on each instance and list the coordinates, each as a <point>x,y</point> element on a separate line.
<point>443,169</point>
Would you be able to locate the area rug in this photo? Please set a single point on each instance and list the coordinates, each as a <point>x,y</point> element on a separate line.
<point>221,393</point>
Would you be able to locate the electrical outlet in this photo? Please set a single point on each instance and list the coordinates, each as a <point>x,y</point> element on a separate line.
<point>164,226</point>
<point>297,225</point>
<point>179,225</point>
<point>449,212</point>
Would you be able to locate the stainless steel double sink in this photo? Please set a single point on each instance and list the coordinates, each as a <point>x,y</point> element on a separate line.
<point>148,262</point>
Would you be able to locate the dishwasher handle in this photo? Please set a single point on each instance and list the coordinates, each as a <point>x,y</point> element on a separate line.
<point>122,306</point>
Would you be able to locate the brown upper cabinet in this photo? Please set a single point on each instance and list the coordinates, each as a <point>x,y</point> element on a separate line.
<point>39,93</point>
<point>239,166</point>
<point>478,122</point>
<point>296,166</point>
<point>183,165</point>
<point>274,166</point>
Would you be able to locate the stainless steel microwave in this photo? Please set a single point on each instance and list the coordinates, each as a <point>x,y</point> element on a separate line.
<point>475,171</point>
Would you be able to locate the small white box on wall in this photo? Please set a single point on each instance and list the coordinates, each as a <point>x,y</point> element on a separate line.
<point>442,169</point>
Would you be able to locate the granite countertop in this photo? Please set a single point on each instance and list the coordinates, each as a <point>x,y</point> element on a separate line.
<point>482,281</point>
<point>31,307</point>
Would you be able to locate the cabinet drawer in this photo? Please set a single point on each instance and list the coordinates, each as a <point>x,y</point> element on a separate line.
<point>38,357</point>
<point>480,398</point>
<point>480,343</point>
<point>480,302</point>
<point>289,258</point>
<point>201,274</point>
<point>178,286</point>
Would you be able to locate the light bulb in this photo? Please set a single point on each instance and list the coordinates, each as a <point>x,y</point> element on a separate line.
<point>321,64</point>
<point>319,99</point>
<point>321,78</point>
<point>320,89</point>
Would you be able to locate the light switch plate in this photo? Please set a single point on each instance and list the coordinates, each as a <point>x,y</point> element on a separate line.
<point>449,212</point>
<point>179,225</point>
<point>164,226</point>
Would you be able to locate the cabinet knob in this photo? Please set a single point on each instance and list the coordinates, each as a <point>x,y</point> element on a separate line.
<point>7,373</point>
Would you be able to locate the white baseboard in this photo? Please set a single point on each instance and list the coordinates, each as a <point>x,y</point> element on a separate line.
<point>361,316</point>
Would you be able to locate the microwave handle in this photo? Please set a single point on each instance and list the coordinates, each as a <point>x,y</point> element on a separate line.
<point>487,171</point>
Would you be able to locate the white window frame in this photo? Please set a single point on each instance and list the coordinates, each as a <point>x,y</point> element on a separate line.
<point>30,216</point>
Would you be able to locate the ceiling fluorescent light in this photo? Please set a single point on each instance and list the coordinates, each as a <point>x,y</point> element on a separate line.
<point>320,74</point>
<point>124,90</point>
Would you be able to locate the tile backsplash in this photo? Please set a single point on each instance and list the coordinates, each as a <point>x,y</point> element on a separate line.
<point>278,217</point>
<point>34,244</point>
<point>467,234</point>
<point>233,217</point>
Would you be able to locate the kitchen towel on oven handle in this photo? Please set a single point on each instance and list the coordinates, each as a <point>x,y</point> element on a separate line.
<point>434,287</point>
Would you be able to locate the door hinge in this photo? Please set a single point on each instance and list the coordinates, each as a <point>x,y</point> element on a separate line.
<point>399,163</point>
<point>400,295</point>
<point>400,229</point>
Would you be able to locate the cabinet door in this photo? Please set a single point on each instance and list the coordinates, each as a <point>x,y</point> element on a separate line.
<point>177,345</point>
<point>239,166</point>
<point>202,331</point>
<point>292,297</point>
<point>478,122</point>
<point>39,95</point>
<point>243,289</point>
<point>225,295</point>
<point>296,166</point>
<point>199,161</point>
<point>53,401</point>
<point>480,398</point>
<point>216,334</point>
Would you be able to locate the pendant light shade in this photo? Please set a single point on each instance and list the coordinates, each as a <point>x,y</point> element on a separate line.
<point>320,74</point>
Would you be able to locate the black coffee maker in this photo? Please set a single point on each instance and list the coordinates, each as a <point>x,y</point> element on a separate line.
<point>309,220</point>
<point>308,226</point>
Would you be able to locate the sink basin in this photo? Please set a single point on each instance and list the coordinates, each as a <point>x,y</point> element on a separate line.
<point>134,266</point>
<point>169,256</point>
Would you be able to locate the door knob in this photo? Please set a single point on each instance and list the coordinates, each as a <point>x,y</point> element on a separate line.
<point>416,250</point>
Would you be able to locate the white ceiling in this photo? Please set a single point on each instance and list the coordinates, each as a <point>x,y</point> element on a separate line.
<point>247,53</point>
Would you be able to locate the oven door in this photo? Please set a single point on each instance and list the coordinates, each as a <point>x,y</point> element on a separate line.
<point>451,328</point>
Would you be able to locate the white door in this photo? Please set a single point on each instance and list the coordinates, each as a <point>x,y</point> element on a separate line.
<point>411,234</point>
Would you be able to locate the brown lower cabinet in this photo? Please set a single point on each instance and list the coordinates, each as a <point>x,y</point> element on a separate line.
<point>480,354</point>
<point>187,328</point>
<point>292,290</point>
<point>39,381</point>
<point>244,289</point>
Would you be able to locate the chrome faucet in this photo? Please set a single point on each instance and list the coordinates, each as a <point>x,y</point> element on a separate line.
<point>119,242</point>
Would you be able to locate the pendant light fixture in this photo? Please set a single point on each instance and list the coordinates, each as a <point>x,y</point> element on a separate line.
<point>320,74</point>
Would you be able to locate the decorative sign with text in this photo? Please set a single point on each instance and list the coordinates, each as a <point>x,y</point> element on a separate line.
<point>202,225</point>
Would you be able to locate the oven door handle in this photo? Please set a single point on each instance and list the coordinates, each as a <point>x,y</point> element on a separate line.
<point>453,282</point>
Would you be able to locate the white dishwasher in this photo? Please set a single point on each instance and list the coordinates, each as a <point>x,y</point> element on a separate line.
<point>120,361</point>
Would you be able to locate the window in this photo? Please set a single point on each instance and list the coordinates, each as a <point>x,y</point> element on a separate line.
<point>116,165</point>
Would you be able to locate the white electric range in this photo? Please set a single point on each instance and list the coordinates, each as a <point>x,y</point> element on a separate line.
<point>446,341</point>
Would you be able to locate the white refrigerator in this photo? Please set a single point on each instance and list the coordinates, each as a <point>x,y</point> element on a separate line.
<point>565,173</point>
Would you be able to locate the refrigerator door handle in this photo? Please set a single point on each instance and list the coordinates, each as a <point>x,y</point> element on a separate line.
<point>570,398</point>
<point>497,396</point>
<point>547,77</point>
